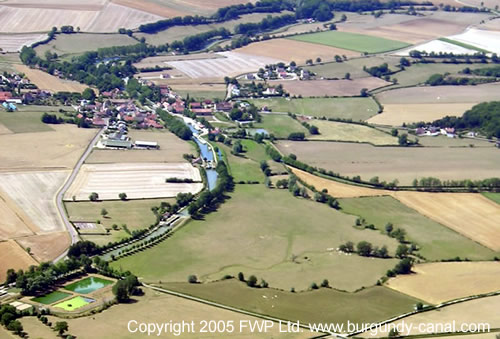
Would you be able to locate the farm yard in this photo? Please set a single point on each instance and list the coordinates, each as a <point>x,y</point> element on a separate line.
<point>339,131</point>
<point>293,50</point>
<point>474,312</point>
<point>389,163</point>
<point>34,193</point>
<point>336,88</point>
<point>352,41</point>
<point>171,150</point>
<point>137,180</point>
<point>357,109</point>
<point>322,306</point>
<point>49,82</point>
<point>301,246</point>
<point>58,149</point>
<point>13,256</point>
<point>457,280</point>
<point>231,65</point>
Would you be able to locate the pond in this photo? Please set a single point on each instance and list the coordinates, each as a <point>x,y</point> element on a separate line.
<point>88,285</point>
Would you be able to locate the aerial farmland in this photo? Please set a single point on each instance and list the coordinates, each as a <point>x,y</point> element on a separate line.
<point>264,168</point>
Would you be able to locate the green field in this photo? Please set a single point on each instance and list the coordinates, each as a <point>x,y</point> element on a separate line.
<point>493,196</point>
<point>23,122</point>
<point>72,304</point>
<point>281,125</point>
<point>66,45</point>
<point>352,41</point>
<point>352,66</point>
<point>357,109</point>
<point>437,242</point>
<point>202,95</point>
<point>50,298</point>
<point>324,305</point>
<point>289,242</point>
<point>339,131</point>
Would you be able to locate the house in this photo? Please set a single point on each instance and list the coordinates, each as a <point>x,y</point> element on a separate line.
<point>114,143</point>
<point>250,77</point>
<point>4,96</point>
<point>448,131</point>
<point>147,144</point>
<point>304,74</point>
<point>235,91</point>
<point>98,121</point>
<point>223,106</point>
<point>270,91</point>
<point>202,111</point>
<point>195,105</point>
<point>420,131</point>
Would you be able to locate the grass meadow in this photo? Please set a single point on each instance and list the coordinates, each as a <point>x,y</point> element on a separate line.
<point>339,131</point>
<point>281,125</point>
<point>357,109</point>
<point>289,242</point>
<point>493,196</point>
<point>352,41</point>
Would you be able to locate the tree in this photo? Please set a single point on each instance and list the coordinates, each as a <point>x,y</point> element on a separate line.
<point>313,130</point>
<point>364,92</point>
<point>16,327</point>
<point>403,139</point>
<point>241,276</point>
<point>402,251</point>
<point>394,132</point>
<point>364,248</point>
<point>325,283</point>
<point>11,276</point>
<point>93,196</point>
<point>120,290</point>
<point>61,327</point>
<point>393,333</point>
<point>88,94</point>
<point>404,266</point>
<point>192,279</point>
<point>389,227</point>
<point>314,286</point>
<point>122,196</point>
<point>104,212</point>
<point>252,281</point>
<point>347,76</point>
<point>238,147</point>
<point>318,60</point>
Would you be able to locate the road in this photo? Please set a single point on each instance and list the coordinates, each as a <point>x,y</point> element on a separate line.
<point>59,198</point>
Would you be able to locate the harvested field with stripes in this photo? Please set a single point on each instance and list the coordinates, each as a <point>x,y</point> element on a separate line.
<point>13,256</point>
<point>14,42</point>
<point>456,280</point>
<point>231,65</point>
<point>46,247</point>
<point>138,181</point>
<point>33,193</point>
<point>14,222</point>
<point>336,88</point>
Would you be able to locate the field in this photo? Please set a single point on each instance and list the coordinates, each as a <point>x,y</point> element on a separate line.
<point>336,88</point>
<point>13,256</point>
<point>58,149</point>
<point>23,121</point>
<point>136,214</point>
<point>339,131</point>
<point>34,193</point>
<point>281,125</point>
<point>493,196</point>
<point>49,82</point>
<point>352,41</point>
<point>14,221</point>
<point>65,44</point>
<point>14,42</point>
<point>242,168</point>
<point>47,246</point>
<point>437,46</point>
<point>487,40</point>
<point>287,241</point>
<point>36,329</point>
<point>398,114</point>
<point>293,50</point>
<point>456,280</point>
<point>479,221</point>
<point>171,150</point>
<point>137,180</point>
<point>471,313</point>
<point>151,308</point>
<point>322,306</point>
<point>357,109</point>
<point>436,242</point>
<point>404,164</point>
<point>441,94</point>
<point>352,66</point>
<point>231,65</point>
<point>90,17</point>
<point>412,29</point>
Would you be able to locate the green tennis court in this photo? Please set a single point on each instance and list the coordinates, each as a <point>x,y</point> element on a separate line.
<point>74,303</point>
<point>50,298</point>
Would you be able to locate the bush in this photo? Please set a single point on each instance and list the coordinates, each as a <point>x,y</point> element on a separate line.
<point>252,281</point>
<point>192,279</point>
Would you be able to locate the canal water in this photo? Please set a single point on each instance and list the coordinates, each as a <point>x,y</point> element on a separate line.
<point>207,154</point>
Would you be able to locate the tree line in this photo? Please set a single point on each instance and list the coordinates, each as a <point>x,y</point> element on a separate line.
<point>175,125</point>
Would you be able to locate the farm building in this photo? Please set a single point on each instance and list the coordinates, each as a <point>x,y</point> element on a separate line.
<point>147,144</point>
<point>112,143</point>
